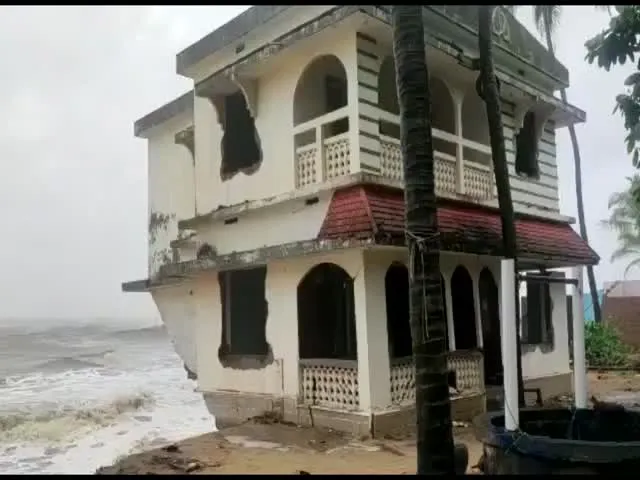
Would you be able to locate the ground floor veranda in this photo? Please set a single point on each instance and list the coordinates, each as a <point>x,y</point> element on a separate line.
<point>324,338</point>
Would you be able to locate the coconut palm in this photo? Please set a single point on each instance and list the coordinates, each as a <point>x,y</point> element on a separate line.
<point>624,220</point>
<point>491,96</point>
<point>433,407</point>
<point>547,19</point>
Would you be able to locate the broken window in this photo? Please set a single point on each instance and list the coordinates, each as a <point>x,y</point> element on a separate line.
<point>527,147</point>
<point>241,151</point>
<point>326,314</point>
<point>244,313</point>
<point>536,309</point>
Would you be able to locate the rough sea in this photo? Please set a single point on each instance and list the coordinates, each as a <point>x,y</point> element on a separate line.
<point>75,396</point>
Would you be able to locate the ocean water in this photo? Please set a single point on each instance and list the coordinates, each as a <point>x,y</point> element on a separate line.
<point>78,395</point>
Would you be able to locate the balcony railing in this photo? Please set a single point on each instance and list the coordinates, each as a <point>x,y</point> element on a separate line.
<point>323,152</point>
<point>454,174</point>
<point>322,148</point>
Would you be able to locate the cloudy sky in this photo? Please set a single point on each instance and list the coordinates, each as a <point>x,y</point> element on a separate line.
<point>73,177</point>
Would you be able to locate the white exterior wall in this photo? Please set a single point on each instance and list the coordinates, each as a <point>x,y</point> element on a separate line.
<point>274,122</point>
<point>281,377</point>
<point>536,361</point>
<point>285,222</point>
<point>171,187</point>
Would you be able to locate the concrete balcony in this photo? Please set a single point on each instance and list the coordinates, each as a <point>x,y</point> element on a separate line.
<point>323,152</point>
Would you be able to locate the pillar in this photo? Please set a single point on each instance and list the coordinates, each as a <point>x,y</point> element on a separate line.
<point>363,119</point>
<point>448,304</point>
<point>475,276</point>
<point>509,342</point>
<point>374,370</point>
<point>579,356</point>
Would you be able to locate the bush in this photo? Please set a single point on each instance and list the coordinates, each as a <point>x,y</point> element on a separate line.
<point>604,347</point>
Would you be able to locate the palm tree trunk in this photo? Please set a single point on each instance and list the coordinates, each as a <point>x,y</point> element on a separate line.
<point>577,162</point>
<point>499,154</point>
<point>433,407</point>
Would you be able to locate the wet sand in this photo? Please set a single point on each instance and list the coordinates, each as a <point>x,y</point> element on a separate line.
<point>257,447</point>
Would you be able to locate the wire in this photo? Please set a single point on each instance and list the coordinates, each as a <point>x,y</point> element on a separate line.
<point>418,245</point>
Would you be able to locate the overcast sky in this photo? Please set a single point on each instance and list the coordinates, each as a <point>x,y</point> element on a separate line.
<point>73,178</point>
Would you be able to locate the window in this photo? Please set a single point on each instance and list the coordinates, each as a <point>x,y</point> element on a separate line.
<point>527,147</point>
<point>536,308</point>
<point>244,312</point>
<point>240,142</point>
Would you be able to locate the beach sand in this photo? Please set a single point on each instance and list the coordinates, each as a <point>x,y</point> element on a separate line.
<point>263,447</point>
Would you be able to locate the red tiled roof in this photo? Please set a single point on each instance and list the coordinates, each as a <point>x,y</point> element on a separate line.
<point>373,211</point>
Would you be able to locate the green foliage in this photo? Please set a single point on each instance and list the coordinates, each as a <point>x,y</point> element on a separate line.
<point>603,345</point>
<point>617,44</point>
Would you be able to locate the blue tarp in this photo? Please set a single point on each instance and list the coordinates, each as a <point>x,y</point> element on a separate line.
<point>588,307</point>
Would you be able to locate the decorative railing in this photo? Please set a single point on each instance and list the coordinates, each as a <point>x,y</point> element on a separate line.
<point>467,364</point>
<point>320,153</point>
<point>330,383</point>
<point>455,175</point>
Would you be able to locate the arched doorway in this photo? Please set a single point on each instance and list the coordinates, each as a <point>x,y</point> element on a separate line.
<point>490,315</point>
<point>396,287</point>
<point>464,315</point>
<point>326,314</point>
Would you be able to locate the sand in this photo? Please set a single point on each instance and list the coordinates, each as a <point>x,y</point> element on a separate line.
<point>265,447</point>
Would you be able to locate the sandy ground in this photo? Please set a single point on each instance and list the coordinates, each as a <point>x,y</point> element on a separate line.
<point>264,447</point>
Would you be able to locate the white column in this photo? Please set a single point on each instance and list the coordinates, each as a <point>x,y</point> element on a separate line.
<point>579,358</point>
<point>448,300</point>
<point>476,306</point>
<point>374,375</point>
<point>509,341</point>
<point>458,99</point>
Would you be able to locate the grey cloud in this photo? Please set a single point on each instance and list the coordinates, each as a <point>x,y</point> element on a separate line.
<point>73,177</point>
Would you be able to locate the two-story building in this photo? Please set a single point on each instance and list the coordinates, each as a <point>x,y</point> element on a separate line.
<point>276,214</point>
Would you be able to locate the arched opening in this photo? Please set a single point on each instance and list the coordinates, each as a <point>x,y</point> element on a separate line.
<point>396,287</point>
<point>464,316</point>
<point>326,314</point>
<point>442,108</point>
<point>322,88</point>
<point>475,126</point>
<point>490,315</point>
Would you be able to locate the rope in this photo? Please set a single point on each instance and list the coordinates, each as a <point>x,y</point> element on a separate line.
<point>418,245</point>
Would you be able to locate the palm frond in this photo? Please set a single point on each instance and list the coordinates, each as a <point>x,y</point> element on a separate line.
<point>547,18</point>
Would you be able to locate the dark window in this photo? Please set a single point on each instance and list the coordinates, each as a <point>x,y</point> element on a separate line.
<point>244,312</point>
<point>336,98</point>
<point>241,150</point>
<point>527,147</point>
<point>537,326</point>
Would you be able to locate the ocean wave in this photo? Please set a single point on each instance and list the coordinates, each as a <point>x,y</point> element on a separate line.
<point>148,329</point>
<point>59,423</point>
<point>67,363</point>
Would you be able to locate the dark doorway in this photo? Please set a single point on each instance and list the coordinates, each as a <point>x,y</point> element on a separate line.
<point>326,314</point>
<point>396,287</point>
<point>464,314</point>
<point>490,315</point>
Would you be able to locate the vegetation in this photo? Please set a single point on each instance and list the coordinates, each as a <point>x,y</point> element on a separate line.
<point>433,408</point>
<point>624,220</point>
<point>617,44</point>
<point>603,345</point>
<point>547,18</point>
